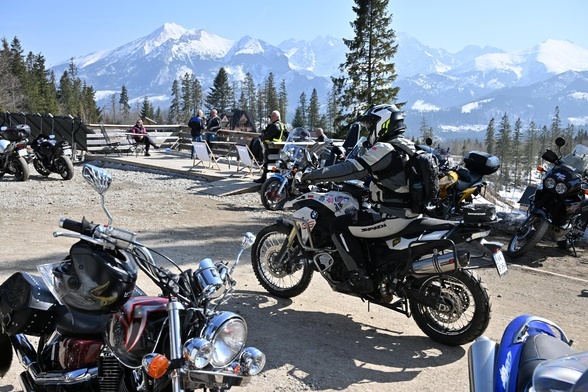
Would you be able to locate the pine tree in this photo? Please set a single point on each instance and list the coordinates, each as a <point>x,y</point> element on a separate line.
<point>146,109</point>
<point>426,130</point>
<point>283,101</point>
<point>503,149</point>
<point>516,151</point>
<point>313,110</point>
<point>220,95</point>
<point>124,105</point>
<point>489,141</point>
<point>249,92</point>
<point>301,114</point>
<point>555,129</point>
<point>368,73</point>
<point>175,107</point>
<point>271,94</point>
<point>530,151</point>
<point>332,113</point>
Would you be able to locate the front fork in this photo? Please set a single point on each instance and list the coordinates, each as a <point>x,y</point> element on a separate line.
<point>173,311</point>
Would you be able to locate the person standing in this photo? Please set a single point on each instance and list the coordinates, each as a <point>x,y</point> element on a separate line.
<point>320,135</point>
<point>196,125</point>
<point>142,137</point>
<point>273,132</point>
<point>212,125</point>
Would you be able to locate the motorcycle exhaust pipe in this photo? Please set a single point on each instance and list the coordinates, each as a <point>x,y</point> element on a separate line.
<point>440,263</point>
<point>481,359</point>
<point>26,355</point>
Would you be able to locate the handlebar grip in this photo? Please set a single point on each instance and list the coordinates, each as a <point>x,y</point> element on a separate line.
<point>71,225</point>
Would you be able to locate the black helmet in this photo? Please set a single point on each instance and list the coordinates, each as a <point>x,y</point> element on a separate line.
<point>383,122</point>
<point>95,280</point>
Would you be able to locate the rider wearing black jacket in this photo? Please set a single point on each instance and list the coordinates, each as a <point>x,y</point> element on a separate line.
<point>389,190</point>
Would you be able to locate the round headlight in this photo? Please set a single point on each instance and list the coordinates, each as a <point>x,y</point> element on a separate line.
<point>197,352</point>
<point>549,183</point>
<point>252,361</point>
<point>561,188</point>
<point>228,332</point>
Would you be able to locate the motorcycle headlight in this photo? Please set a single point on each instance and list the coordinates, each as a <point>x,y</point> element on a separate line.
<point>197,352</point>
<point>289,165</point>
<point>549,183</point>
<point>228,332</point>
<point>252,361</point>
<point>561,188</point>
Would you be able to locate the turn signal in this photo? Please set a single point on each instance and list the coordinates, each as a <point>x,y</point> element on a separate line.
<point>540,169</point>
<point>155,365</point>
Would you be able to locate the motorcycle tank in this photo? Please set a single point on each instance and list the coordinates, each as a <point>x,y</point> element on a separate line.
<point>135,329</point>
<point>3,145</point>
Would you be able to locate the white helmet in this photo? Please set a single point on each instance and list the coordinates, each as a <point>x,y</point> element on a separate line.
<point>384,122</point>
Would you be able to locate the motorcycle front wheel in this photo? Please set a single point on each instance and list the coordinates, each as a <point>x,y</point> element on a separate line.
<point>527,236</point>
<point>270,198</point>
<point>64,167</point>
<point>19,168</point>
<point>40,168</point>
<point>463,310</point>
<point>283,272</point>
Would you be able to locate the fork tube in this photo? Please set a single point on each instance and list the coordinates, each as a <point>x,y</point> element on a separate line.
<point>173,311</point>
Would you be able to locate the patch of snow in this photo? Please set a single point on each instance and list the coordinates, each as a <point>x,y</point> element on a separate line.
<point>467,108</point>
<point>422,106</point>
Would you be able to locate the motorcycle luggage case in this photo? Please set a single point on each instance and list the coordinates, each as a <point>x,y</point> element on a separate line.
<point>479,213</point>
<point>17,133</point>
<point>26,305</point>
<point>481,162</point>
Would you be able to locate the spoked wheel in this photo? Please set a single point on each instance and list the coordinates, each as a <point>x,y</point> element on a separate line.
<point>527,236</point>
<point>20,168</point>
<point>270,198</point>
<point>64,167</point>
<point>283,272</point>
<point>40,168</point>
<point>463,307</point>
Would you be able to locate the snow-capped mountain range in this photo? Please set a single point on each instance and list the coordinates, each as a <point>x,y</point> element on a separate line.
<point>456,93</point>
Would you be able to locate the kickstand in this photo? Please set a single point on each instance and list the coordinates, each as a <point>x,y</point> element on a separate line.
<point>574,249</point>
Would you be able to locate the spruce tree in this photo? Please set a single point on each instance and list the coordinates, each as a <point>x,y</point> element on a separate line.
<point>313,110</point>
<point>368,73</point>
<point>503,149</point>
<point>283,101</point>
<point>426,130</point>
<point>271,94</point>
<point>489,141</point>
<point>124,105</point>
<point>220,94</point>
<point>175,107</point>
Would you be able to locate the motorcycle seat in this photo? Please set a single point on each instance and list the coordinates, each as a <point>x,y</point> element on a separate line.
<point>426,225</point>
<point>536,349</point>
<point>77,324</point>
<point>465,182</point>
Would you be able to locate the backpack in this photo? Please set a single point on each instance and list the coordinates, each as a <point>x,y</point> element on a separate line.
<point>422,173</point>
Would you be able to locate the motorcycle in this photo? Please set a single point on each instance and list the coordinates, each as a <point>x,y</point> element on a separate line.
<point>98,331</point>
<point>559,208</point>
<point>534,354</point>
<point>14,152</point>
<point>420,266</point>
<point>296,155</point>
<point>460,184</point>
<point>52,156</point>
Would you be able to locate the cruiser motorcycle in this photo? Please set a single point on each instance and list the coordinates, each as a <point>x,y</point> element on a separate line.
<point>559,208</point>
<point>534,354</point>
<point>460,184</point>
<point>98,331</point>
<point>14,152</point>
<point>418,271</point>
<point>52,156</point>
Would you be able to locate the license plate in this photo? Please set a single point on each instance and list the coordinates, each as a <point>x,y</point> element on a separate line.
<point>23,152</point>
<point>500,263</point>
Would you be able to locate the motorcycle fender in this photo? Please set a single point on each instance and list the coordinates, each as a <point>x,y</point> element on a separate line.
<point>285,223</point>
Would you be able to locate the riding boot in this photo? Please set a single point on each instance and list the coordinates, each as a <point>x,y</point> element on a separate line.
<point>358,281</point>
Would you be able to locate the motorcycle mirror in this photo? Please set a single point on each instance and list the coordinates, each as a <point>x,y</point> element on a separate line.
<point>560,142</point>
<point>429,141</point>
<point>99,178</point>
<point>248,240</point>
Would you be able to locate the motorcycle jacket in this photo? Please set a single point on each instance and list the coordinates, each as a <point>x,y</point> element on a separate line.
<point>386,166</point>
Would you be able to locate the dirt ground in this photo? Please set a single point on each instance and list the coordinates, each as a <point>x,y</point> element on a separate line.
<point>320,340</point>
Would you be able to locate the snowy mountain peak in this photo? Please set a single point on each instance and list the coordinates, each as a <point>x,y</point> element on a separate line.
<point>169,31</point>
<point>561,55</point>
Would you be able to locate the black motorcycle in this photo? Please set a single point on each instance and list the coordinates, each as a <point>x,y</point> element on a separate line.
<point>559,208</point>
<point>14,152</point>
<point>98,331</point>
<point>52,156</point>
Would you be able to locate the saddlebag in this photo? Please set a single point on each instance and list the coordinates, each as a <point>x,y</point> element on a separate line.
<point>26,305</point>
<point>479,213</point>
<point>481,162</point>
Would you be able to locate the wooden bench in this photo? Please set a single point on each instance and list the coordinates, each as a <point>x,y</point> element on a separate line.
<point>97,144</point>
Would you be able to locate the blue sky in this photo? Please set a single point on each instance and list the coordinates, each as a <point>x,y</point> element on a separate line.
<point>61,29</point>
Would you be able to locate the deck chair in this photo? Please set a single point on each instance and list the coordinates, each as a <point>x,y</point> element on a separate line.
<point>110,145</point>
<point>246,159</point>
<point>201,155</point>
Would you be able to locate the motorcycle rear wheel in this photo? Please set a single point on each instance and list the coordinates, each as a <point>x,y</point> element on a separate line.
<point>20,168</point>
<point>269,197</point>
<point>286,277</point>
<point>64,167</point>
<point>527,236</point>
<point>466,312</point>
<point>40,168</point>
